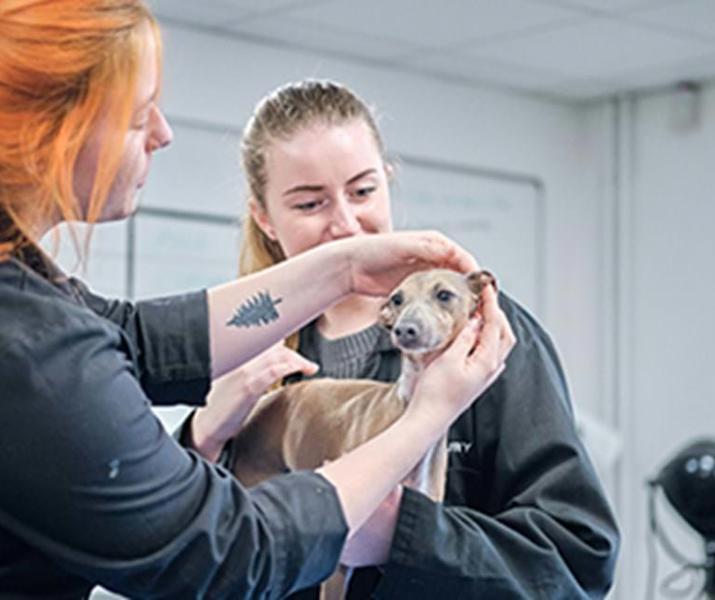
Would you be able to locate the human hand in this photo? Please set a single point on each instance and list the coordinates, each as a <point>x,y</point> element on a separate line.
<point>377,263</point>
<point>233,396</point>
<point>370,545</point>
<point>450,383</point>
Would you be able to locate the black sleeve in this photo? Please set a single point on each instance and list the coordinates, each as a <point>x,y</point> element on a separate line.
<point>169,341</point>
<point>539,525</point>
<point>92,481</point>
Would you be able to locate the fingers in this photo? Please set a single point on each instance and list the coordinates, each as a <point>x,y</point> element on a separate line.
<point>495,375</point>
<point>487,352</point>
<point>275,366</point>
<point>462,345</point>
<point>307,367</point>
<point>290,362</point>
<point>433,249</point>
<point>448,254</point>
<point>497,338</point>
<point>507,339</point>
<point>458,259</point>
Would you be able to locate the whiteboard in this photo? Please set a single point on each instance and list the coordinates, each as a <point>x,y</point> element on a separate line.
<point>105,266</point>
<point>174,255</point>
<point>498,217</point>
<point>200,172</point>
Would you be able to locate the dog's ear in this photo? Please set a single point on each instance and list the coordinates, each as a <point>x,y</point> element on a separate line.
<point>477,281</point>
<point>387,316</point>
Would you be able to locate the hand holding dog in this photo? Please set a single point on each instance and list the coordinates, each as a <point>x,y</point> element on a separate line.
<point>233,396</point>
<point>473,361</point>
<point>379,263</point>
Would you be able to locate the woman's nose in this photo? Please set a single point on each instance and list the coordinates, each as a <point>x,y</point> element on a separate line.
<point>161,134</point>
<point>344,219</point>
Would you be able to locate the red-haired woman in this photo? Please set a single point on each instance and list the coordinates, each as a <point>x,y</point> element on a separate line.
<point>93,490</point>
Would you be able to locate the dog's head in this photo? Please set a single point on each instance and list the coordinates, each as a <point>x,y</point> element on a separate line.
<point>427,310</point>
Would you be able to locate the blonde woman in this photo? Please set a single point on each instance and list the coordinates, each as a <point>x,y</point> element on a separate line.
<point>93,490</point>
<point>525,516</point>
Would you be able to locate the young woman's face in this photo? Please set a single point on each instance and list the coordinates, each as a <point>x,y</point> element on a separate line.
<point>148,131</point>
<point>325,183</point>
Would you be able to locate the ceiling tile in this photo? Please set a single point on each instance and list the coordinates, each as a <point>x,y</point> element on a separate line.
<point>608,6</point>
<point>694,17</point>
<point>570,48</point>
<point>220,12</point>
<point>473,69</point>
<point>602,48</point>
<point>314,36</point>
<point>433,24</point>
<point>203,13</point>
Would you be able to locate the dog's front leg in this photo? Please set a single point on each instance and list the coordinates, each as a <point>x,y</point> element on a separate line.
<point>335,587</point>
<point>429,476</point>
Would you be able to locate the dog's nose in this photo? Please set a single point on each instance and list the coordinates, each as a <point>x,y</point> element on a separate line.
<point>406,333</point>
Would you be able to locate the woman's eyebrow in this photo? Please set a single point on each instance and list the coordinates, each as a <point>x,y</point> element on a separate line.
<point>304,188</point>
<point>360,175</point>
<point>318,188</point>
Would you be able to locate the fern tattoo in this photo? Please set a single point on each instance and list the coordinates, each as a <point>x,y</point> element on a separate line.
<point>258,310</point>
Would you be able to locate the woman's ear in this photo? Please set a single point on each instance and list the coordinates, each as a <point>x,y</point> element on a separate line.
<point>260,216</point>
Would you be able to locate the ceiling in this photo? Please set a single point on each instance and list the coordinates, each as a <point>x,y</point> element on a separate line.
<point>570,49</point>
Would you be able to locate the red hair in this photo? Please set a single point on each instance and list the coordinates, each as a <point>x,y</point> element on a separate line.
<point>63,63</point>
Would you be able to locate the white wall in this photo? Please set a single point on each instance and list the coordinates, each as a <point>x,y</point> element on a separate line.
<point>654,181</point>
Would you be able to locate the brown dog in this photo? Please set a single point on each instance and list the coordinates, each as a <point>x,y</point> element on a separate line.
<point>305,425</point>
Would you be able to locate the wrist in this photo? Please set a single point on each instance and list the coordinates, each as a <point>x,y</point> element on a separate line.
<point>428,418</point>
<point>339,273</point>
<point>204,438</point>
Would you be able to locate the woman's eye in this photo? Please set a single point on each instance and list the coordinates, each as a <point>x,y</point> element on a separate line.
<point>445,295</point>
<point>364,192</point>
<point>307,206</point>
<point>396,299</point>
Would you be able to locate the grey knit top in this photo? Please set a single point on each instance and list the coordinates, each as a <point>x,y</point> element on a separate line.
<point>357,355</point>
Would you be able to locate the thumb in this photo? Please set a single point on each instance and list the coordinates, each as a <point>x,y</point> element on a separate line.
<point>465,340</point>
<point>308,366</point>
<point>298,362</point>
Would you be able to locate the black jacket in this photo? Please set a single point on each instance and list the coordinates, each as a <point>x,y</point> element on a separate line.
<point>524,513</point>
<point>94,490</point>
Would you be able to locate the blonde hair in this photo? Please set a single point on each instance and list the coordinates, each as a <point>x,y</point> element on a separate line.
<point>63,63</point>
<point>278,116</point>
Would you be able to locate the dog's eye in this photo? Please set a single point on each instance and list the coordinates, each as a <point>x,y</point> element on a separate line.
<point>396,299</point>
<point>445,295</point>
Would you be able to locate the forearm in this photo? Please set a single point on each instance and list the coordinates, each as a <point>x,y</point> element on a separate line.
<point>254,312</point>
<point>360,485</point>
